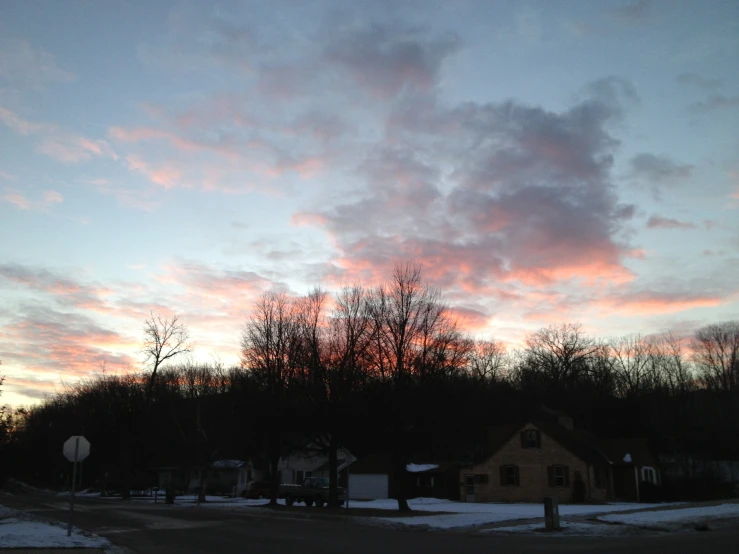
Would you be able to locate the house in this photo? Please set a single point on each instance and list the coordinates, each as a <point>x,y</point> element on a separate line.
<point>311,461</point>
<point>222,477</point>
<point>634,467</point>
<point>525,463</point>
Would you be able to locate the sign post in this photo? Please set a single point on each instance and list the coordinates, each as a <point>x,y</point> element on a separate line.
<point>75,449</point>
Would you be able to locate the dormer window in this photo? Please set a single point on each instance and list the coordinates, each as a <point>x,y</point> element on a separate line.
<point>531,438</point>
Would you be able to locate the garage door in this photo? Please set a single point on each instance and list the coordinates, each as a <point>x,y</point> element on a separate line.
<point>368,486</point>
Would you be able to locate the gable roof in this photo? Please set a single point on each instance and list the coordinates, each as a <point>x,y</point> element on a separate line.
<point>228,464</point>
<point>637,448</point>
<point>378,462</point>
<point>581,444</point>
<point>341,463</point>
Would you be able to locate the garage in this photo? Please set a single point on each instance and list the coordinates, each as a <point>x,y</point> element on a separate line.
<point>368,486</point>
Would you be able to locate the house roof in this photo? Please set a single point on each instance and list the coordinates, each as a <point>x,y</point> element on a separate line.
<point>637,449</point>
<point>581,444</point>
<point>341,463</point>
<point>379,462</point>
<point>228,464</point>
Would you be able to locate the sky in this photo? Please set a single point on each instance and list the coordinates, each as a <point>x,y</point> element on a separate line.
<point>543,162</point>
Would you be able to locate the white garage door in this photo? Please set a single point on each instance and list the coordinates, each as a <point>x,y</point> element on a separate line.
<point>368,486</point>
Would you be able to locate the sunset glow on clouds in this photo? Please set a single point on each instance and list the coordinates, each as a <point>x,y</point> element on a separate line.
<point>543,163</point>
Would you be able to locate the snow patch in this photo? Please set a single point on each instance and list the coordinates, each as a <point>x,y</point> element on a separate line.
<point>569,528</point>
<point>418,468</point>
<point>20,530</point>
<point>683,515</point>
<point>627,458</point>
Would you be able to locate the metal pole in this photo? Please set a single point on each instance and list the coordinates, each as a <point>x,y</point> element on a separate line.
<point>347,488</point>
<point>74,481</point>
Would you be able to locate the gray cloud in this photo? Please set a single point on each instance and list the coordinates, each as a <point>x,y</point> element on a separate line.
<point>633,11</point>
<point>659,169</point>
<point>658,222</point>
<point>715,102</point>
<point>385,61</point>
<point>695,80</point>
<point>490,191</point>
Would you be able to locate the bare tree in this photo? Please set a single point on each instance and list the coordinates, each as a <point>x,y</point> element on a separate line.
<point>560,354</point>
<point>270,345</point>
<point>632,358</point>
<point>488,360</point>
<point>674,371</point>
<point>716,354</point>
<point>4,423</point>
<point>408,317</point>
<point>163,340</point>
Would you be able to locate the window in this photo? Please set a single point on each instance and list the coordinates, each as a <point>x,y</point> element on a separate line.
<point>649,475</point>
<point>530,438</point>
<point>509,476</point>
<point>425,481</point>
<point>481,478</point>
<point>559,476</point>
<point>299,477</point>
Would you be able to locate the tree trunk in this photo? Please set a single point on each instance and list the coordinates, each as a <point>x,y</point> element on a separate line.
<point>274,462</point>
<point>203,483</point>
<point>399,461</point>
<point>333,477</point>
<point>399,478</point>
<point>125,462</point>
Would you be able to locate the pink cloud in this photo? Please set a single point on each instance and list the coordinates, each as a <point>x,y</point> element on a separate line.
<point>655,303</point>
<point>73,149</point>
<point>45,340</point>
<point>165,174</point>
<point>52,197</point>
<point>20,125</point>
<point>49,199</point>
<point>57,144</point>
<point>18,200</point>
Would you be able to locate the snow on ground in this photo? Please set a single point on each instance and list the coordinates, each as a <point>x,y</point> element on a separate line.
<point>683,515</point>
<point>21,530</point>
<point>569,528</point>
<point>463,514</point>
<point>519,510</point>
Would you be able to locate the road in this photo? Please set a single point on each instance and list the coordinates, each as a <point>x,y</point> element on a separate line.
<point>148,528</point>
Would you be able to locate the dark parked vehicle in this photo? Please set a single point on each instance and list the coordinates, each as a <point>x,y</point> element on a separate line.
<point>257,489</point>
<point>313,489</point>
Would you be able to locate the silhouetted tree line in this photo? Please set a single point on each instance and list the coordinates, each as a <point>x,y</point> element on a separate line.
<point>379,369</point>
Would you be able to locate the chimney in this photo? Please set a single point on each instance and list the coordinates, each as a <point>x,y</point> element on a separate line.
<point>565,421</point>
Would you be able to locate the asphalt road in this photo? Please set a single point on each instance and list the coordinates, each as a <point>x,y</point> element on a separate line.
<point>148,528</point>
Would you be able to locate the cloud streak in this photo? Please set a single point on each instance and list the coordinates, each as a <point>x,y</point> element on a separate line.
<point>659,222</point>
<point>49,199</point>
<point>58,144</point>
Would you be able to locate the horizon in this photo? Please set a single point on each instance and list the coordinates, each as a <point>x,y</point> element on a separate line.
<point>543,164</point>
